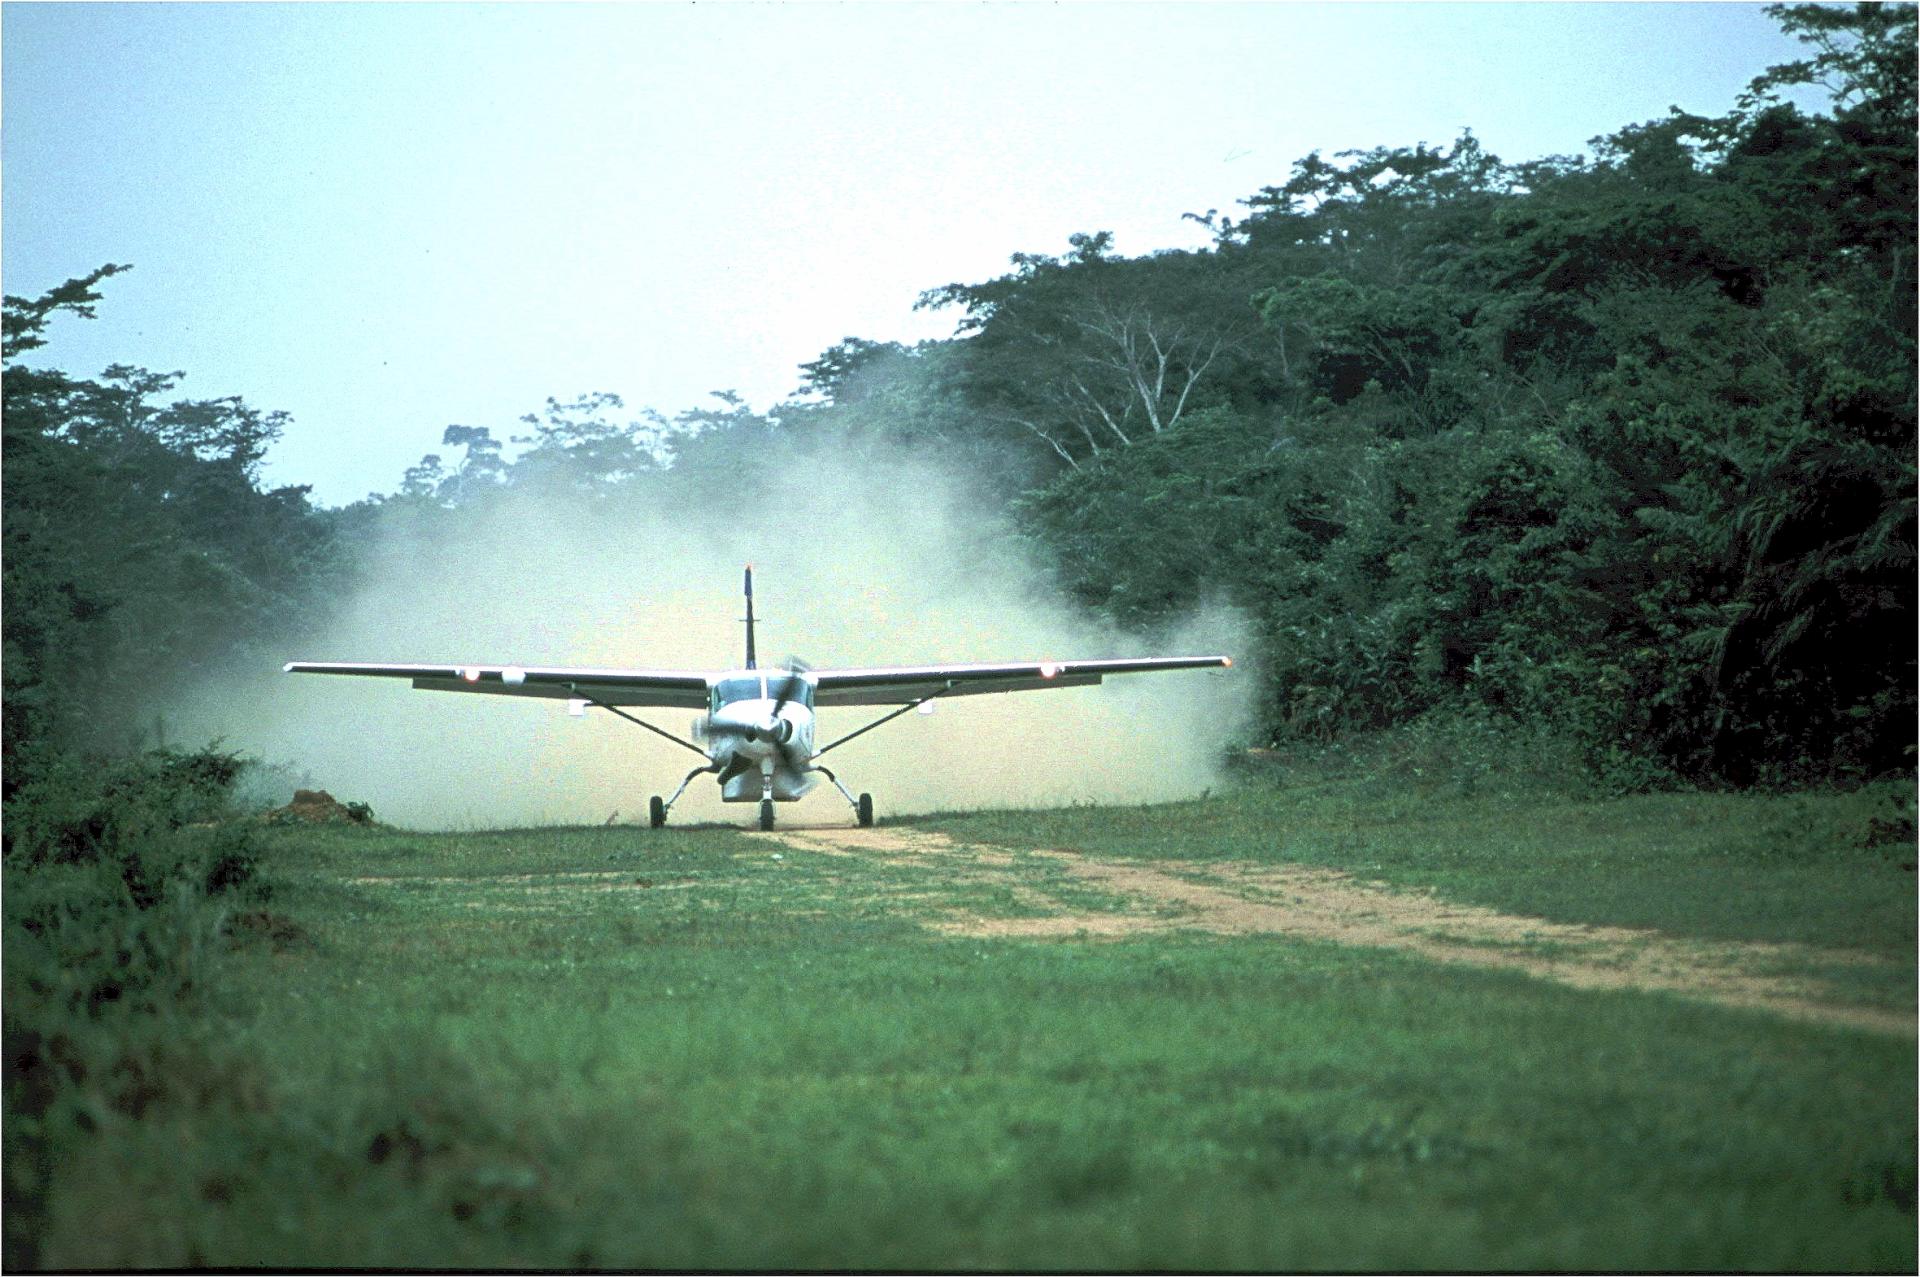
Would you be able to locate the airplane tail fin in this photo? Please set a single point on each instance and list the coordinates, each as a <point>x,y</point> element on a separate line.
<point>751,664</point>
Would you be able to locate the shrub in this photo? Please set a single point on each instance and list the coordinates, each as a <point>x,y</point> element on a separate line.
<point>118,877</point>
<point>155,818</point>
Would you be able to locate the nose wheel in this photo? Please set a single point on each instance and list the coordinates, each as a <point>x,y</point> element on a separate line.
<point>657,809</point>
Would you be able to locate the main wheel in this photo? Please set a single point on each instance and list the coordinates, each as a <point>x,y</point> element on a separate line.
<point>866,810</point>
<point>766,813</point>
<point>656,812</point>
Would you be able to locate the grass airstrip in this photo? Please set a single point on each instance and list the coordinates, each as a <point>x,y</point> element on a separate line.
<point>1321,1027</point>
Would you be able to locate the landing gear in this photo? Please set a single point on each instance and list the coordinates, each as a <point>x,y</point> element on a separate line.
<point>862,806</point>
<point>657,810</point>
<point>766,814</point>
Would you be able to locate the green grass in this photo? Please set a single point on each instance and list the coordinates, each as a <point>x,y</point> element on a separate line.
<point>1819,869</point>
<point>712,1058</point>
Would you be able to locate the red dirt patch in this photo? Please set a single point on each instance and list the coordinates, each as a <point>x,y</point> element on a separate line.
<point>318,807</point>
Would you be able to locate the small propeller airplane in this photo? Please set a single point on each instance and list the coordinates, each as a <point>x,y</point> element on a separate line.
<point>757,731</point>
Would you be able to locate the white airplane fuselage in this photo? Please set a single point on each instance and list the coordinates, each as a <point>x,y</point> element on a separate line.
<point>761,741</point>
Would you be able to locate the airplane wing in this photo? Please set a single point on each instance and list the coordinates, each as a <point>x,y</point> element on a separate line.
<point>685,689</point>
<point>903,684</point>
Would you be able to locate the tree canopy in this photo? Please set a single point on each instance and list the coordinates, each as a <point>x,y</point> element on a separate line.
<point>1621,445</point>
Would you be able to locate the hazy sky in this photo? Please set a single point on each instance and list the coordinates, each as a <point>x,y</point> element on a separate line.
<point>388,218</point>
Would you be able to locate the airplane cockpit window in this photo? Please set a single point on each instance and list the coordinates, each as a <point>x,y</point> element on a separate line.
<point>800,691</point>
<point>729,690</point>
<point>771,686</point>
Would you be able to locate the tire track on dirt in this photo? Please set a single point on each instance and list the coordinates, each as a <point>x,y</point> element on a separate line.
<point>1329,905</point>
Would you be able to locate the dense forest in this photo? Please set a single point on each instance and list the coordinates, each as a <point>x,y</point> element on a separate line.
<point>1618,447</point>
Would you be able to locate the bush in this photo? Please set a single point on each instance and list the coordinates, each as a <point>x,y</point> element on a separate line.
<point>112,874</point>
<point>156,818</point>
<point>118,881</point>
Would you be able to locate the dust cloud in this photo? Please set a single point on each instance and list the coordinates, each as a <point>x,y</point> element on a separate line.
<point>896,565</point>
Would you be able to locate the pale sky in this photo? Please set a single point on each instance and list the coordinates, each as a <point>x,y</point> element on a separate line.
<point>388,218</point>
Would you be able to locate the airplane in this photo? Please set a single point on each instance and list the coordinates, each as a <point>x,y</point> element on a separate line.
<point>756,733</point>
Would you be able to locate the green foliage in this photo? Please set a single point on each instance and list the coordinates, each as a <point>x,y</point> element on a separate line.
<point>1087,354</point>
<point>1623,447</point>
<point>102,858</point>
<point>106,617</point>
<point>575,448</point>
<point>1620,447</point>
<point>120,885</point>
<point>25,319</point>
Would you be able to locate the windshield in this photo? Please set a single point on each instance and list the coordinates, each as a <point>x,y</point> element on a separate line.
<point>772,686</point>
<point>791,687</point>
<point>729,690</point>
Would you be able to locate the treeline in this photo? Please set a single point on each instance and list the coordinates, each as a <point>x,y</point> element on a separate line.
<point>1618,447</point>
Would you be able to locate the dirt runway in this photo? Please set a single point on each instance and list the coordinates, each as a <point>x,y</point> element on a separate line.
<point>1228,898</point>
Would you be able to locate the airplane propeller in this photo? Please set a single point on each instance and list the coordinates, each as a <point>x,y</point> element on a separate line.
<point>781,729</point>
<point>795,667</point>
<point>778,730</point>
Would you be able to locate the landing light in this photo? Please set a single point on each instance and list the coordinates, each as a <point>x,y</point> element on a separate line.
<point>1048,669</point>
<point>926,707</point>
<point>471,673</point>
<point>577,708</point>
<point>514,675</point>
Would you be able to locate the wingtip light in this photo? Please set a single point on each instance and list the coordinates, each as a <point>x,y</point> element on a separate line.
<point>1227,661</point>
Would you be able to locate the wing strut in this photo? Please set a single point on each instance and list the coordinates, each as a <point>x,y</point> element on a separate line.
<point>615,709</point>
<point>886,718</point>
